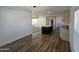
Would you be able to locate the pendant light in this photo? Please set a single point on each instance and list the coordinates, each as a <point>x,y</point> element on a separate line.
<point>34,13</point>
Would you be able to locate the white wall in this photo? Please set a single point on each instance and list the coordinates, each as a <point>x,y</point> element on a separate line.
<point>76,30</point>
<point>14,24</point>
<point>72,40</point>
<point>43,20</point>
<point>67,17</point>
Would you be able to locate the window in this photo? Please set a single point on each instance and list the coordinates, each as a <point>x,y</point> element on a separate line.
<point>34,21</point>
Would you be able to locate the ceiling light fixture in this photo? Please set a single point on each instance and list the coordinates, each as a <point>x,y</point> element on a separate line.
<point>34,13</point>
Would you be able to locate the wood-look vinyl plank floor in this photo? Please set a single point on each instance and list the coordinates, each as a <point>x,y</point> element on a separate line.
<point>38,42</point>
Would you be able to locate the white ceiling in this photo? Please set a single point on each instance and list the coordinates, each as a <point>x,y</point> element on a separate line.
<point>51,9</point>
<point>47,9</point>
<point>43,9</point>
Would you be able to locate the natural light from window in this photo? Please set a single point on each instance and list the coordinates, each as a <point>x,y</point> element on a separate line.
<point>34,21</point>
